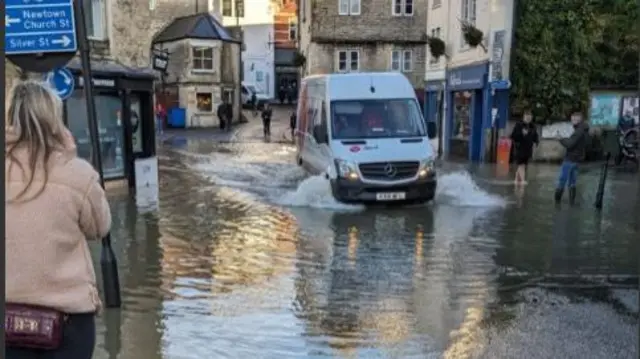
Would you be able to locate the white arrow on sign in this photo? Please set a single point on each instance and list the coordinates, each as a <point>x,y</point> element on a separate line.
<point>8,20</point>
<point>64,41</point>
<point>67,79</point>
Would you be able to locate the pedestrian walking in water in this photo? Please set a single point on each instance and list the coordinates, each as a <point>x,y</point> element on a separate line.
<point>292,125</point>
<point>575,146</point>
<point>524,137</point>
<point>267,113</point>
<point>54,206</point>
<point>224,113</point>
<point>254,103</point>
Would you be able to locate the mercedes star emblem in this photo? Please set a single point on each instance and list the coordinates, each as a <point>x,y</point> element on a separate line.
<point>390,170</point>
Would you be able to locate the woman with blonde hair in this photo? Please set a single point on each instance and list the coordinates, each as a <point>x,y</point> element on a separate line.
<point>54,204</point>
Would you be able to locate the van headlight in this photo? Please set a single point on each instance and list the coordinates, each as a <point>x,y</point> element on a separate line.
<point>427,168</point>
<point>346,169</point>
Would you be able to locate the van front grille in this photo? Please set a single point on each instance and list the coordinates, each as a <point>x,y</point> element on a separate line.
<point>389,171</point>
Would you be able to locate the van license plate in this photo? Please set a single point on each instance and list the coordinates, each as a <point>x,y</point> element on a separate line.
<point>390,196</point>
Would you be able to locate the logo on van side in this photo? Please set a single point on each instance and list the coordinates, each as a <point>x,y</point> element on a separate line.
<point>354,149</point>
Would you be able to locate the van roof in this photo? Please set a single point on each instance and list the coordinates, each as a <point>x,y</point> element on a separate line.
<point>358,85</point>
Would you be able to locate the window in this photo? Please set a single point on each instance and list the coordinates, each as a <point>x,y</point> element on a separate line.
<point>436,32</point>
<point>402,60</point>
<point>407,61</point>
<point>293,29</point>
<point>227,7</point>
<point>436,3</point>
<point>402,7</point>
<point>348,61</point>
<point>349,7</point>
<point>395,60</point>
<point>152,4</point>
<point>204,102</point>
<point>240,8</point>
<point>94,11</point>
<point>468,11</point>
<point>468,14</point>
<point>111,132</point>
<point>202,58</point>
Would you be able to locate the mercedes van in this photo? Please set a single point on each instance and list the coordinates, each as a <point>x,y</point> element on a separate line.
<point>365,132</point>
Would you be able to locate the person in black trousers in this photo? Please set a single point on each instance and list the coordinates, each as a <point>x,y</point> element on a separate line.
<point>292,125</point>
<point>524,137</point>
<point>267,113</point>
<point>224,114</point>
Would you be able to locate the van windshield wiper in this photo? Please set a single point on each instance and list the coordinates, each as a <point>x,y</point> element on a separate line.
<point>356,142</point>
<point>411,140</point>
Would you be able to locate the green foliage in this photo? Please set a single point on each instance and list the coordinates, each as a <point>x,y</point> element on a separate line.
<point>563,49</point>
<point>299,60</point>
<point>437,47</point>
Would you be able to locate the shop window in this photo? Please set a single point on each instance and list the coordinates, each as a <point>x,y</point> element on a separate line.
<point>136,123</point>
<point>462,115</point>
<point>204,101</point>
<point>110,131</point>
<point>202,58</point>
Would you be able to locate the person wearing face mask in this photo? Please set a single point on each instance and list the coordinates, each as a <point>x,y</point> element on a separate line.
<point>524,137</point>
<point>575,146</point>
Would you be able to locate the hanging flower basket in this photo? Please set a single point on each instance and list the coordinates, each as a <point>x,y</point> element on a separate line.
<point>299,60</point>
<point>436,46</point>
<point>472,35</point>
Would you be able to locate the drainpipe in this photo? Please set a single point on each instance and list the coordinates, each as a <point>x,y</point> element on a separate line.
<point>236,95</point>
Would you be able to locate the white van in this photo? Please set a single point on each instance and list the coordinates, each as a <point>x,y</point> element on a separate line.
<point>247,90</point>
<point>366,133</point>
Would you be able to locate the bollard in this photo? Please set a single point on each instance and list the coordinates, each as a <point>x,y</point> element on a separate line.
<point>603,180</point>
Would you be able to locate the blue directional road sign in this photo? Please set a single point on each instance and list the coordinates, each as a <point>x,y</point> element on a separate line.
<point>39,26</point>
<point>62,81</point>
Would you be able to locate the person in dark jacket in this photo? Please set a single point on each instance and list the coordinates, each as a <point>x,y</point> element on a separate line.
<point>224,113</point>
<point>267,113</point>
<point>292,125</point>
<point>254,103</point>
<point>524,137</point>
<point>575,146</point>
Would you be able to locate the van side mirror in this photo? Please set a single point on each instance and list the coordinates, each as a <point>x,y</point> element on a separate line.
<point>432,130</point>
<point>320,134</point>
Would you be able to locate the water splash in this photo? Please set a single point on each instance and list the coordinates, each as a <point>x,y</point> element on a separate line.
<point>315,192</point>
<point>459,189</point>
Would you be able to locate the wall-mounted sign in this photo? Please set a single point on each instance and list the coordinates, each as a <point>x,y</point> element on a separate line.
<point>98,82</point>
<point>287,69</point>
<point>498,56</point>
<point>160,62</point>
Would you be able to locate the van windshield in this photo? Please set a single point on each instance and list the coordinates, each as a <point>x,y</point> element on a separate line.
<point>381,118</point>
<point>253,89</point>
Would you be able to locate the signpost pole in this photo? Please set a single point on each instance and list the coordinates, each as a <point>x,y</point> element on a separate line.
<point>108,262</point>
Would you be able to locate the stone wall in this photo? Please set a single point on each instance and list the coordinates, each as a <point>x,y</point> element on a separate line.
<point>322,59</point>
<point>134,24</point>
<point>375,22</point>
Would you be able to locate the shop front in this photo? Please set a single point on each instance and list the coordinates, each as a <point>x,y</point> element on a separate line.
<point>468,97</point>
<point>125,114</point>
<point>287,78</point>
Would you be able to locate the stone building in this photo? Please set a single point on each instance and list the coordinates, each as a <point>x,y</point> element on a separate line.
<point>120,35</point>
<point>355,35</point>
<point>203,67</point>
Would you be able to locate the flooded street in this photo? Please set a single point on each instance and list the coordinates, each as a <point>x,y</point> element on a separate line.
<point>249,257</point>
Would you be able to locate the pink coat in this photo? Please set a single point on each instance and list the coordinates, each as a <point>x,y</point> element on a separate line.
<point>48,261</point>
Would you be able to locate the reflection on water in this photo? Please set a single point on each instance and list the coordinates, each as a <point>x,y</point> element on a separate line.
<point>219,273</point>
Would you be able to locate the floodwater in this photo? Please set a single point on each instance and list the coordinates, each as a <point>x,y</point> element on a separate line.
<point>248,257</point>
